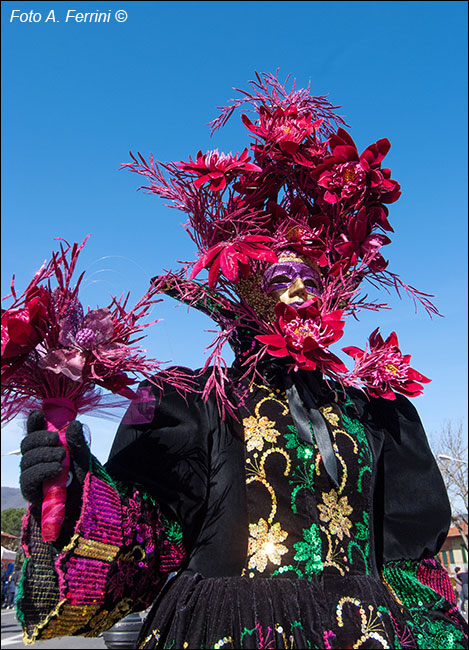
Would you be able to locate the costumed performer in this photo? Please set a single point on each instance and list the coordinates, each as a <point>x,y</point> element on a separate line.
<point>288,502</point>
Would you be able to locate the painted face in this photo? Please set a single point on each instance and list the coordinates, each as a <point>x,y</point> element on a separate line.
<point>291,282</point>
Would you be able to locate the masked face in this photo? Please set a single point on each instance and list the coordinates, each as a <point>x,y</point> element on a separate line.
<point>291,282</point>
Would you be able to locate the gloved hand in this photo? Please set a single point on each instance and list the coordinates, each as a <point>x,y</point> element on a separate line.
<point>42,456</point>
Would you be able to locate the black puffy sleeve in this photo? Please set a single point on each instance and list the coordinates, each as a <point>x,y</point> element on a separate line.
<point>412,515</point>
<point>168,455</point>
<point>412,510</point>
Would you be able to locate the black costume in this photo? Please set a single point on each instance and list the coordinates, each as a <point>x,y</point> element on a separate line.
<point>311,517</point>
<point>271,552</point>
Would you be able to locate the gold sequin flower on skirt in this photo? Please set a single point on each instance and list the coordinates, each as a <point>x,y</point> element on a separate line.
<point>334,511</point>
<point>264,544</point>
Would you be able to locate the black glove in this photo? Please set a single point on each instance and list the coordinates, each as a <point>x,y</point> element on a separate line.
<point>42,459</point>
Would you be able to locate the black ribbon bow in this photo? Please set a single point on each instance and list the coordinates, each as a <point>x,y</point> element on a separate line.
<point>305,415</point>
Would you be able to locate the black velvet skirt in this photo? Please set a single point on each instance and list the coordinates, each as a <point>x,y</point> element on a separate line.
<point>237,612</point>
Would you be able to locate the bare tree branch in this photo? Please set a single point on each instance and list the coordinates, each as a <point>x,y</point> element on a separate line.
<point>450,448</point>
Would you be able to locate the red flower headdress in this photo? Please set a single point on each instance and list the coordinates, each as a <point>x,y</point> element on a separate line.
<point>303,186</point>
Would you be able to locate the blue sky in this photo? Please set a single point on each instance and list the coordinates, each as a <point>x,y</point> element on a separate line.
<point>78,96</point>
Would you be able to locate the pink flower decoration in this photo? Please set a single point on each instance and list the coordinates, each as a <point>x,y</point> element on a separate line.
<point>217,169</point>
<point>383,369</point>
<point>232,258</point>
<point>305,334</point>
<point>22,329</point>
<point>68,362</point>
<point>100,323</point>
<point>348,176</point>
<point>344,181</point>
<point>78,336</point>
<point>287,128</point>
<point>361,241</point>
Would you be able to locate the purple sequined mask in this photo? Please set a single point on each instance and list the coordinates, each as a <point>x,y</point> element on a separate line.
<point>280,276</point>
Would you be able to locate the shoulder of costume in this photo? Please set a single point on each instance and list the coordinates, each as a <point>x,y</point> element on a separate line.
<point>192,390</point>
<point>390,417</point>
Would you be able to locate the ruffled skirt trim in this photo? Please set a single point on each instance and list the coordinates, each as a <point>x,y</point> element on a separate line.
<point>238,612</point>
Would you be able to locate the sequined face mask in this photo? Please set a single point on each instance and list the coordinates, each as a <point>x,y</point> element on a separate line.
<point>279,277</point>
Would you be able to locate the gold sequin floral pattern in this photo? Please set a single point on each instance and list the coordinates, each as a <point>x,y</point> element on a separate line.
<point>265,544</point>
<point>331,417</point>
<point>334,512</point>
<point>257,431</point>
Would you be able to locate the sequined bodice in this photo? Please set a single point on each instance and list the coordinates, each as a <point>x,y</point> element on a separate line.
<point>300,523</point>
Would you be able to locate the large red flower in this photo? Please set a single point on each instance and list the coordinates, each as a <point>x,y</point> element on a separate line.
<point>383,368</point>
<point>286,128</point>
<point>305,334</point>
<point>360,242</point>
<point>347,175</point>
<point>232,258</point>
<point>217,169</point>
<point>23,329</point>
